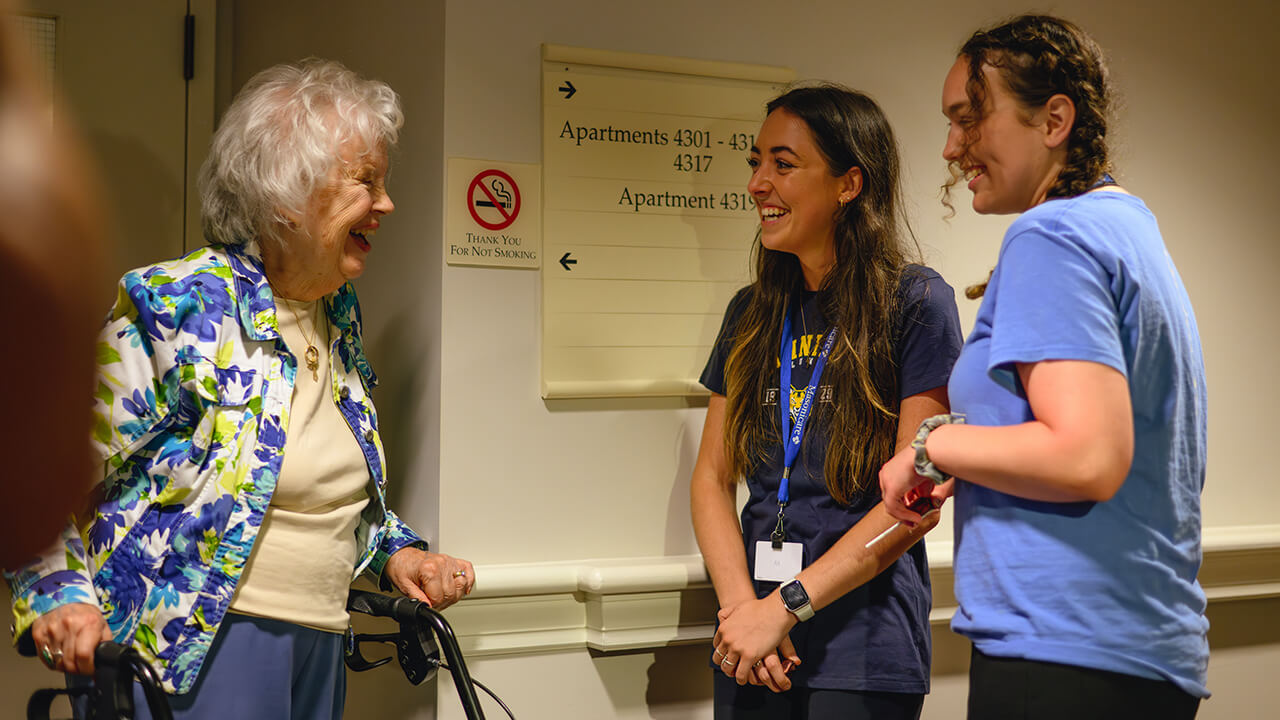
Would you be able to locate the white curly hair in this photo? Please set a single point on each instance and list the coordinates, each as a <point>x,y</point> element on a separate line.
<point>279,140</point>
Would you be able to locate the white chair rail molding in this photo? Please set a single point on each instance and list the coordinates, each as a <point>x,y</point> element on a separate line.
<point>620,604</point>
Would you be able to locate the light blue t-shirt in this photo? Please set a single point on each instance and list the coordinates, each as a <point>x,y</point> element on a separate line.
<point>1110,585</point>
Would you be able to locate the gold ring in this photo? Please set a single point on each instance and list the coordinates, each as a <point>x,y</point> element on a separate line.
<point>460,573</point>
<point>758,663</point>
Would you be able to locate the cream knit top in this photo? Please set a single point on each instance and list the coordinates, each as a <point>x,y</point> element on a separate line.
<point>304,559</point>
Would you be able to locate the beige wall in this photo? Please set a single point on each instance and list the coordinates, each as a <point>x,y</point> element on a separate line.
<point>608,479</point>
<point>576,511</point>
<point>1195,141</point>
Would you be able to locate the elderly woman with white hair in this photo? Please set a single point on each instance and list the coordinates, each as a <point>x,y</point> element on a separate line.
<point>242,475</point>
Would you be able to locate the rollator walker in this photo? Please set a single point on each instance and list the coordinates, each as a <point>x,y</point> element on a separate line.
<point>423,634</point>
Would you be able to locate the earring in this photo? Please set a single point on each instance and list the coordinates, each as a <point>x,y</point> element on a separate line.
<point>845,198</point>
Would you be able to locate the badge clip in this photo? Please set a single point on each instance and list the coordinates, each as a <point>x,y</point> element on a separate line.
<point>779,534</point>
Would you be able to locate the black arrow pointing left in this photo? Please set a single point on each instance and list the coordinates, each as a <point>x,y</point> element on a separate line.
<point>568,89</point>
<point>566,261</point>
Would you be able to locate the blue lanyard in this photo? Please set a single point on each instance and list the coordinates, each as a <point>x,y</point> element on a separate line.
<point>791,436</point>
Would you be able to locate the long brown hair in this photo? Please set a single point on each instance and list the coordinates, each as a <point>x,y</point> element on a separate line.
<point>859,298</point>
<point>1039,56</point>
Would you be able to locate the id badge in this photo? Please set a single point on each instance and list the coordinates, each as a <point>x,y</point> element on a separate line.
<point>778,565</point>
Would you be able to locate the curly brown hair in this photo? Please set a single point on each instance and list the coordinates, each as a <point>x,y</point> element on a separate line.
<point>1039,56</point>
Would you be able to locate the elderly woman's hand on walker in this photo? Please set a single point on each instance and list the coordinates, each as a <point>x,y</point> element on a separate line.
<point>436,579</point>
<point>67,637</point>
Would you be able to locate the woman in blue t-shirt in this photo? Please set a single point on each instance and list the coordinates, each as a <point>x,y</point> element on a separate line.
<point>843,345</point>
<point>1082,458</point>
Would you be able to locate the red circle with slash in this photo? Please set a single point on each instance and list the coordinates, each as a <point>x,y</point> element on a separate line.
<point>491,195</point>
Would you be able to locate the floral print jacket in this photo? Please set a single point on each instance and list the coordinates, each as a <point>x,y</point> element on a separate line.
<point>191,411</point>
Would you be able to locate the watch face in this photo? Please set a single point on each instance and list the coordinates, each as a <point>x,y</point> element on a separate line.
<point>794,596</point>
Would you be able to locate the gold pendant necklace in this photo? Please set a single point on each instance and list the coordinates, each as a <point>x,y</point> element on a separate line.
<point>312,354</point>
<point>313,361</point>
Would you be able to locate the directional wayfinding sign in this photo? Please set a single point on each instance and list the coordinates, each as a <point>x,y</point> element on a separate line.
<point>494,214</point>
<point>647,221</point>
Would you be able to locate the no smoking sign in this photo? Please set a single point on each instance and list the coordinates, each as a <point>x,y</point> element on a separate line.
<point>502,223</point>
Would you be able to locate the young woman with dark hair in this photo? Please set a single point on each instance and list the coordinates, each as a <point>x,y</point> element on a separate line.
<point>1082,458</point>
<point>824,365</point>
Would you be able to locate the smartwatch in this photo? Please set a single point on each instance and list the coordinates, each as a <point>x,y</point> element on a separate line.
<point>796,600</point>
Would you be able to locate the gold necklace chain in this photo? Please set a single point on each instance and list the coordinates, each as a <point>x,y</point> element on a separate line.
<point>312,354</point>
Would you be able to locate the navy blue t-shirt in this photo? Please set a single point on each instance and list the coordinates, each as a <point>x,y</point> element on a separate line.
<point>876,638</point>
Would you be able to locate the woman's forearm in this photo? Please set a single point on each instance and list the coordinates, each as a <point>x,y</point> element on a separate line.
<point>850,563</point>
<point>715,524</point>
<point>1078,448</point>
<point>1025,460</point>
<point>713,505</point>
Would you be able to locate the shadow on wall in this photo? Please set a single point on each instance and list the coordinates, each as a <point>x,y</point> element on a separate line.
<point>607,404</point>
<point>950,651</point>
<point>146,227</point>
<point>19,676</point>
<point>679,680</point>
<point>679,538</point>
<point>398,357</point>
<point>678,535</point>
<point>384,692</point>
<point>1241,624</point>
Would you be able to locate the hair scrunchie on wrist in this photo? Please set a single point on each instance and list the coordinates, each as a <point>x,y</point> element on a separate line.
<point>925,466</point>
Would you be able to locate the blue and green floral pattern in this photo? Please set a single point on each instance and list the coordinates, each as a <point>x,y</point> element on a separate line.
<point>191,411</point>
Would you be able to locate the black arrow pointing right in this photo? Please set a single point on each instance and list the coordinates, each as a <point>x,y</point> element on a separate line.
<point>566,261</point>
<point>568,89</point>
